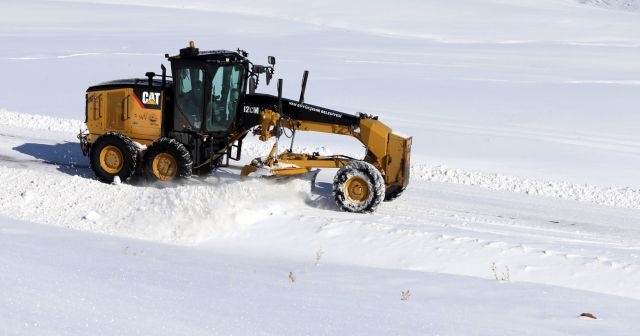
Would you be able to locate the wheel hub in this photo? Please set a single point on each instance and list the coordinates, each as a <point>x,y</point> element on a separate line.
<point>164,166</point>
<point>357,189</point>
<point>111,159</point>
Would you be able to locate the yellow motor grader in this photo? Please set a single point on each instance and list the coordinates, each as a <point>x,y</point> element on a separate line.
<point>169,127</point>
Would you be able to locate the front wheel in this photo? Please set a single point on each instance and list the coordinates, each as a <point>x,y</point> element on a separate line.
<point>358,187</point>
<point>167,159</point>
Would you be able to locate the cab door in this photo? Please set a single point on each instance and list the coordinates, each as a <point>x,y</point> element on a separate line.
<point>227,85</point>
<point>115,109</point>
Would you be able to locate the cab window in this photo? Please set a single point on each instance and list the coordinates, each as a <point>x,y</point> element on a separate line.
<point>189,96</point>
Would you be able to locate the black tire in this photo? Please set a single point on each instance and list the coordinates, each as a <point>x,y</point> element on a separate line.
<point>393,193</point>
<point>111,155</point>
<point>358,187</point>
<point>166,160</point>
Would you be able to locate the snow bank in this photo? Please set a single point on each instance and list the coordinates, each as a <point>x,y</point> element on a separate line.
<point>610,196</point>
<point>40,122</point>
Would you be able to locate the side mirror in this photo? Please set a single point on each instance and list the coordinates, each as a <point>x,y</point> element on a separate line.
<point>269,75</point>
<point>272,60</point>
<point>252,85</point>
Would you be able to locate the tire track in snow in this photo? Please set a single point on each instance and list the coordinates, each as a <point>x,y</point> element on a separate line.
<point>380,243</point>
<point>465,234</point>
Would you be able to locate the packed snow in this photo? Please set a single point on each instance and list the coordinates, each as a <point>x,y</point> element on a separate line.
<point>522,216</point>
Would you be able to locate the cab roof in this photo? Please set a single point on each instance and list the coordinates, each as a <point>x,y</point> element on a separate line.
<point>192,53</point>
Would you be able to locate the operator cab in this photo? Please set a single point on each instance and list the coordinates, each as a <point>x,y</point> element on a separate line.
<point>208,88</point>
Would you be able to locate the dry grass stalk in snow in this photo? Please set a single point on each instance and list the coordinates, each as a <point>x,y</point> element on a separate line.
<point>505,276</point>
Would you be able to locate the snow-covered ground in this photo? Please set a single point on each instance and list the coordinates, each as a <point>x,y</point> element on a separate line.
<point>60,282</point>
<point>523,211</point>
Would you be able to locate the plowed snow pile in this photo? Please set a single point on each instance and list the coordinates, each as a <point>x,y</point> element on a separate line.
<point>10,119</point>
<point>611,196</point>
<point>187,214</point>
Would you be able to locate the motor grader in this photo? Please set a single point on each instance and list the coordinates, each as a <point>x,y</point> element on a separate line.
<point>169,127</point>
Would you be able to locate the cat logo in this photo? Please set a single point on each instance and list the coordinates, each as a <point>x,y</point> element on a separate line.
<point>150,98</point>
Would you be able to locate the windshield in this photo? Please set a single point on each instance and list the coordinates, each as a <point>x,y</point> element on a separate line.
<point>222,104</point>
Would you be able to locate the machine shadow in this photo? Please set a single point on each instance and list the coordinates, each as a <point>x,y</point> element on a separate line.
<point>67,156</point>
<point>322,196</point>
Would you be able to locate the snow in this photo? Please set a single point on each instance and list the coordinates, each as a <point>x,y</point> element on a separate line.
<point>436,229</point>
<point>10,119</point>
<point>515,87</point>
<point>611,196</point>
<point>119,286</point>
<point>523,210</point>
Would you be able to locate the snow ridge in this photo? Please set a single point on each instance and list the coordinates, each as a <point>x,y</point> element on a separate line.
<point>609,196</point>
<point>39,122</point>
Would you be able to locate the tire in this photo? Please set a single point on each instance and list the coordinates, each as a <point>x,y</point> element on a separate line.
<point>166,160</point>
<point>358,187</point>
<point>111,155</point>
<point>393,193</point>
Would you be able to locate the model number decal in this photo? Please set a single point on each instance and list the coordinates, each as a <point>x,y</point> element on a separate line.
<point>252,109</point>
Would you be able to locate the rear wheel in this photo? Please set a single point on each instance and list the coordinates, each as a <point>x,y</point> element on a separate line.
<point>358,187</point>
<point>113,154</point>
<point>167,159</point>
